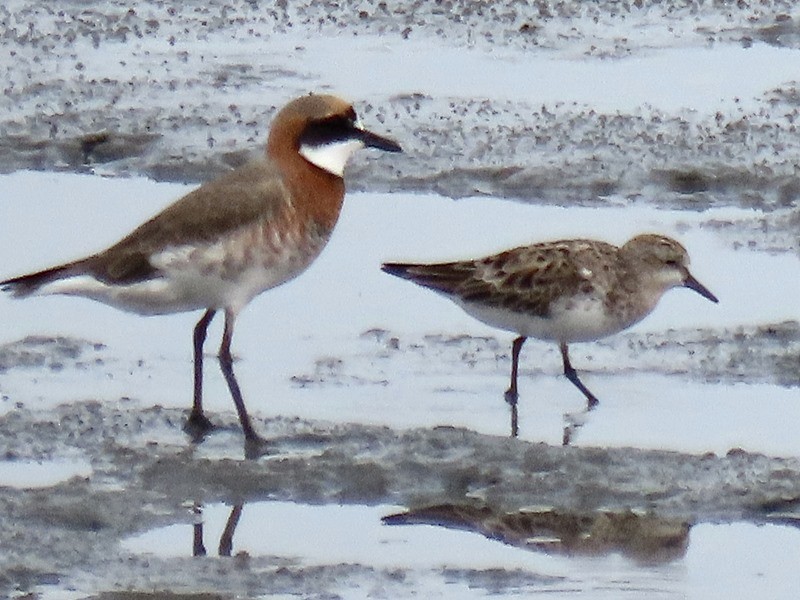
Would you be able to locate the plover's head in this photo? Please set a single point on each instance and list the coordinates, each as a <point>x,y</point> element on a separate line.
<point>324,130</point>
<point>665,262</point>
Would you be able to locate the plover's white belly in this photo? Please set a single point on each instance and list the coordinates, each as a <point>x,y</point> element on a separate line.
<point>226,274</point>
<point>585,319</point>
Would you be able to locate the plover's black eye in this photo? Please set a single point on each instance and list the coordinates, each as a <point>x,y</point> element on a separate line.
<point>329,131</point>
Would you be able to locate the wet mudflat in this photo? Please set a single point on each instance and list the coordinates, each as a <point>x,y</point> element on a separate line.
<point>383,400</point>
<point>385,407</point>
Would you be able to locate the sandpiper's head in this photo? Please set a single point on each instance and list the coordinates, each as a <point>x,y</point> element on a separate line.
<point>665,261</point>
<point>324,130</point>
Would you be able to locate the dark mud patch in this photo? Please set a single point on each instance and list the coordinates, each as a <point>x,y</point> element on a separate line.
<point>784,32</point>
<point>565,155</point>
<point>155,596</point>
<point>568,154</point>
<point>767,353</point>
<point>75,154</point>
<point>332,370</point>
<point>755,354</point>
<point>317,462</point>
<point>169,112</point>
<point>54,353</point>
<point>498,581</point>
<point>774,232</point>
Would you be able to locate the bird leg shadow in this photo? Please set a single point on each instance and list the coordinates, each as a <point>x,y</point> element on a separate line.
<point>511,395</point>
<point>226,539</point>
<point>575,420</point>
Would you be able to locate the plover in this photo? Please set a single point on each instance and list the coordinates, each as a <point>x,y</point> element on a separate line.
<point>564,291</point>
<point>232,238</point>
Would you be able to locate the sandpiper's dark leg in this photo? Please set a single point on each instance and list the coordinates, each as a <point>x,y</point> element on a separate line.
<point>572,375</point>
<point>511,395</point>
<point>226,364</point>
<point>198,422</point>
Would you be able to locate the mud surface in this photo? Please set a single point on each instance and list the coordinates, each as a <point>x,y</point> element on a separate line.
<point>139,482</point>
<point>759,354</point>
<point>145,474</point>
<point>183,92</point>
<point>170,102</point>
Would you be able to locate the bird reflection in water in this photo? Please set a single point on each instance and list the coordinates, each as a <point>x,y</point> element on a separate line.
<point>225,540</point>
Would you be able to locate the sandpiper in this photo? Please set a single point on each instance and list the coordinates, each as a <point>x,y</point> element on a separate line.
<point>232,238</point>
<point>564,291</point>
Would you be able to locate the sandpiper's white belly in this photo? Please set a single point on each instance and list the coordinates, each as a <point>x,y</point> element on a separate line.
<point>584,320</point>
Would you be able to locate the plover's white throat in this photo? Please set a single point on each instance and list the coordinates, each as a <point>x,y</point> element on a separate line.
<point>565,291</point>
<point>229,240</point>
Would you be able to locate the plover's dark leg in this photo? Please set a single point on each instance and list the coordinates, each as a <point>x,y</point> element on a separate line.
<point>226,364</point>
<point>198,422</point>
<point>198,547</point>
<point>511,394</point>
<point>572,375</point>
<point>226,539</point>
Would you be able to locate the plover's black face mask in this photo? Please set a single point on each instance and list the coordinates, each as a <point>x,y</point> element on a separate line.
<point>329,143</point>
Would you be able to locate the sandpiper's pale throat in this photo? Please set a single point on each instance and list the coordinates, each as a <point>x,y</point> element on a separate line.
<point>565,291</point>
<point>232,238</point>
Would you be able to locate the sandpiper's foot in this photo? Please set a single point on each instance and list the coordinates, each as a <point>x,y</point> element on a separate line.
<point>197,426</point>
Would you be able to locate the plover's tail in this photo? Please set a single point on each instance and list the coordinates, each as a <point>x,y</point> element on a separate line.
<point>26,285</point>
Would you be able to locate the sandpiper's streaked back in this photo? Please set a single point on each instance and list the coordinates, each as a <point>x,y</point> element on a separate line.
<point>565,291</point>
<point>232,238</point>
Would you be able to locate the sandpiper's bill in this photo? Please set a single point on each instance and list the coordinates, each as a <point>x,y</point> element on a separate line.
<point>232,238</point>
<point>564,291</point>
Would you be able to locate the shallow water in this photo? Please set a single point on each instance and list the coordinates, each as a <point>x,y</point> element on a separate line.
<point>756,557</point>
<point>26,474</point>
<point>348,345</point>
<point>320,345</point>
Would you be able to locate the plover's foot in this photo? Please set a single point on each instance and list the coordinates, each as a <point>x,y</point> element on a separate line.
<point>511,396</point>
<point>197,426</point>
<point>256,446</point>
